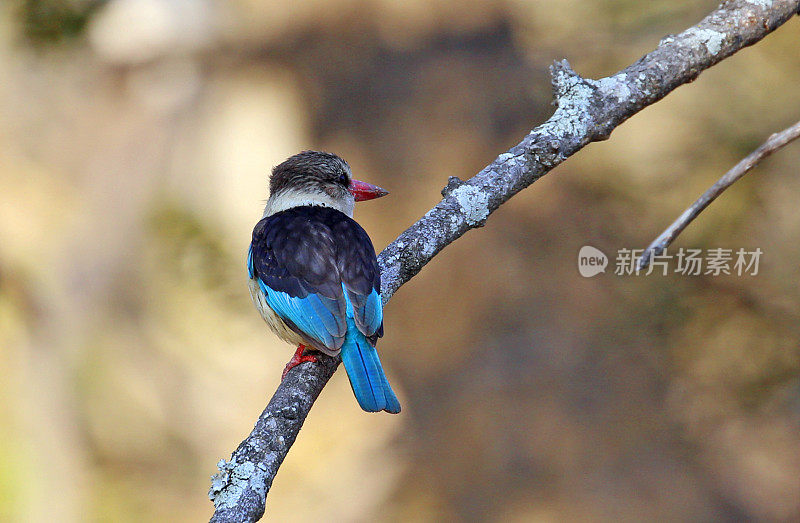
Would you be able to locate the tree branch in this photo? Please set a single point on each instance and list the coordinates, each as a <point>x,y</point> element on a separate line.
<point>588,110</point>
<point>773,143</point>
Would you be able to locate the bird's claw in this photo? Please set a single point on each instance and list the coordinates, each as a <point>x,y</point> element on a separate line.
<point>297,359</point>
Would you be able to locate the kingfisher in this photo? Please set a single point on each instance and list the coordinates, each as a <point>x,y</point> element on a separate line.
<point>313,272</point>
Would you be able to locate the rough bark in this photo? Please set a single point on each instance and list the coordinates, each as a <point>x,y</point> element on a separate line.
<point>587,111</point>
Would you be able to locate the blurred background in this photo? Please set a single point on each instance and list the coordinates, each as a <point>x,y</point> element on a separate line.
<point>136,137</point>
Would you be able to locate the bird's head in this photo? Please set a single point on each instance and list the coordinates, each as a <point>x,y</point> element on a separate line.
<point>317,178</point>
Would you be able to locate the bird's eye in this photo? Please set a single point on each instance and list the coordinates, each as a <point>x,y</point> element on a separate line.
<point>343,180</point>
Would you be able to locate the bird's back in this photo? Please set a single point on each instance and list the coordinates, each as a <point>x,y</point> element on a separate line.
<point>321,259</point>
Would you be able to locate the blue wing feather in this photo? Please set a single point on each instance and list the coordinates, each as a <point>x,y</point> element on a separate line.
<point>250,269</point>
<point>373,312</point>
<point>326,309</point>
<point>368,312</point>
<point>307,314</point>
<point>314,314</point>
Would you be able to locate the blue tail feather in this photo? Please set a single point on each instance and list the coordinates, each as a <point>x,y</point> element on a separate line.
<point>370,386</point>
<point>392,404</point>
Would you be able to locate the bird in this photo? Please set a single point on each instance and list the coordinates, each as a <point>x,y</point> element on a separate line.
<point>314,276</point>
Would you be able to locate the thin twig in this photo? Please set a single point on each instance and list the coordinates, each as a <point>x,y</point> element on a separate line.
<point>773,143</point>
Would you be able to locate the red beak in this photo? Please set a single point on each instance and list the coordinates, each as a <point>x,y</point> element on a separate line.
<point>363,191</point>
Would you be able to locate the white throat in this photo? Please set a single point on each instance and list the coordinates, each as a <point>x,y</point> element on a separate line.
<point>289,198</point>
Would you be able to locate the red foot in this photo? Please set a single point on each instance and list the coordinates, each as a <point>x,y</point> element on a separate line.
<point>297,359</point>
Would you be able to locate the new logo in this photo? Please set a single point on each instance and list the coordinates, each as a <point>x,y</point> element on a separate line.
<point>591,261</point>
